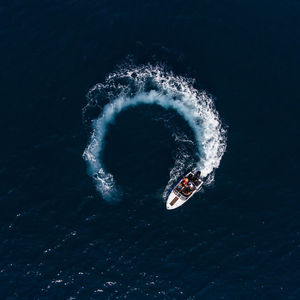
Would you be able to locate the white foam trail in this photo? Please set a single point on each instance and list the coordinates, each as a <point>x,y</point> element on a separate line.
<point>151,85</point>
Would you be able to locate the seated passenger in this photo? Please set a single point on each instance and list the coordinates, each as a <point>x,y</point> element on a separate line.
<point>197,178</point>
<point>179,187</point>
<point>188,191</point>
<point>197,175</point>
<point>191,186</point>
<point>185,181</point>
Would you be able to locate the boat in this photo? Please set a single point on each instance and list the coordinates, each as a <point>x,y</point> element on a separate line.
<point>184,190</point>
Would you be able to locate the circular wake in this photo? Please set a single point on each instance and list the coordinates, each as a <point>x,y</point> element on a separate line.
<point>132,86</point>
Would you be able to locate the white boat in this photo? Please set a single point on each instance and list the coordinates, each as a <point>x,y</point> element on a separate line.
<point>183,192</point>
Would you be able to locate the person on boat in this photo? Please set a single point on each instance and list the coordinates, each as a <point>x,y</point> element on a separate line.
<point>188,189</point>
<point>188,192</point>
<point>197,178</point>
<point>197,175</point>
<point>185,181</point>
<point>179,187</point>
<point>183,185</point>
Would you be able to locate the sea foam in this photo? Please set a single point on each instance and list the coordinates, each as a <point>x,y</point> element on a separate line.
<point>132,86</point>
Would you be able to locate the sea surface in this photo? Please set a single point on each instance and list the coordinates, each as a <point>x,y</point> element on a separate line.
<point>105,105</point>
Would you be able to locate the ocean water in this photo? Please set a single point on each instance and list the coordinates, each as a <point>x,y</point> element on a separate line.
<point>105,105</point>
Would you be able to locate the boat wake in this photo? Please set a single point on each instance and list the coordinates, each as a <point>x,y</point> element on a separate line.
<point>132,86</point>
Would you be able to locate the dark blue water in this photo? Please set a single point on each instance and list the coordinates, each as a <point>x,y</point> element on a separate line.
<point>238,239</point>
